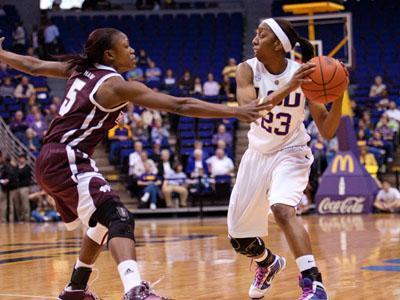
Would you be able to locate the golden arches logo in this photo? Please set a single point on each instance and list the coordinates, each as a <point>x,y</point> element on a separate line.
<point>344,162</point>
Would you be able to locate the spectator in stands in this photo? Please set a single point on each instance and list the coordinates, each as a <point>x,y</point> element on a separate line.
<point>221,134</point>
<point>150,182</point>
<point>175,182</point>
<point>139,169</point>
<point>18,126</point>
<point>367,120</point>
<point>165,164</point>
<point>377,87</point>
<point>39,126</point>
<point>222,145</point>
<point>159,134</point>
<point>31,52</point>
<point>377,142</point>
<point>368,160</point>
<point>7,88</point>
<point>227,88</point>
<point>24,89</point>
<point>134,157</point>
<point>4,71</point>
<point>383,103</point>
<point>186,82</point>
<point>363,127</point>
<point>35,39</point>
<point>230,69</point>
<point>30,117</point>
<point>384,129</point>
<point>51,113</point>
<point>393,112</point>
<point>143,60</point>
<point>9,184</point>
<point>31,141</point>
<point>51,36</point>
<point>135,74</point>
<point>19,38</point>
<point>391,123</point>
<point>357,110</point>
<point>56,101</point>
<point>211,87</point>
<point>387,199</point>
<point>196,164</point>
<point>169,81</point>
<point>156,153</point>
<point>3,191</point>
<point>197,87</point>
<point>231,101</point>
<point>169,4</point>
<point>56,5</point>
<point>319,150</point>
<point>130,115</point>
<point>312,130</point>
<point>219,164</point>
<point>150,116</point>
<point>139,132</point>
<point>117,136</point>
<point>21,204</point>
<point>153,75</point>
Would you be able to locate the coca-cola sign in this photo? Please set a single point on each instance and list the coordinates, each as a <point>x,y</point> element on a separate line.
<point>348,205</point>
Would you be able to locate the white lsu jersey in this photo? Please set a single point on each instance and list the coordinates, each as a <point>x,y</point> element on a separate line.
<point>283,126</point>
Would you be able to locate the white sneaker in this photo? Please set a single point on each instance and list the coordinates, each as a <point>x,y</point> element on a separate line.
<point>145,197</point>
<point>153,206</point>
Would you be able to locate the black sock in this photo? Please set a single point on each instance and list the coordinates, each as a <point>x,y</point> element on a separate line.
<point>268,260</point>
<point>80,278</point>
<point>312,273</point>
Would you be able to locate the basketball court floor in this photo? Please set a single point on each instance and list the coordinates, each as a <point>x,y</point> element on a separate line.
<point>359,257</point>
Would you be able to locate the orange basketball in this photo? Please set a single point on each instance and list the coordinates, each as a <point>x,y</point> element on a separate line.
<point>329,80</point>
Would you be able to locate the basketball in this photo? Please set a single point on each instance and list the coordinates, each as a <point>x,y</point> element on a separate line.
<point>329,80</point>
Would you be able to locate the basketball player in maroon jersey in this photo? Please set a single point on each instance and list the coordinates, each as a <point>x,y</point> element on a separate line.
<point>96,93</point>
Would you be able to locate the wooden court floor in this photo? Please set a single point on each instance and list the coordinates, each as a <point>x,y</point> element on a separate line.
<point>359,257</point>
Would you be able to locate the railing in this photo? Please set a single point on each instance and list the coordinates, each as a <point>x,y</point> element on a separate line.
<point>10,145</point>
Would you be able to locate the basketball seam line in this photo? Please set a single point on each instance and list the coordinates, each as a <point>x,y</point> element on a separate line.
<point>321,89</point>
<point>322,76</point>
<point>333,76</point>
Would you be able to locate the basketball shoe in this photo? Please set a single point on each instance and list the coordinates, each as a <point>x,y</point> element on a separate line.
<point>142,292</point>
<point>264,276</point>
<point>68,294</point>
<point>312,287</point>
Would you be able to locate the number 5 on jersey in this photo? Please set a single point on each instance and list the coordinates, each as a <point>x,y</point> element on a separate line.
<point>70,99</point>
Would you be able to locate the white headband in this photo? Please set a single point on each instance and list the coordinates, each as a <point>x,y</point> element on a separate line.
<point>280,34</point>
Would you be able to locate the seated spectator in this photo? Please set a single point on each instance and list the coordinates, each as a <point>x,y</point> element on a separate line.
<point>230,69</point>
<point>51,113</point>
<point>219,164</point>
<point>201,184</point>
<point>43,208</point>
<point>221,134</point>
<point>377,88</point>
<point>139,132</point>
<point>366,117</point>
<point>169,81</point>
<point>139,168</point>
<point>227,88</point>
<point>159,134</point>
<point>4,71</point>
<point>153,75</point>
<point>368,161</point>
<point>31,141</point>
<point>149,117</point>
<point>142,59</point>
<point>196,164</point>
<point>56,101</point>
<point>197,87</point>
<point>7,88</point>
<point>363,127</point>
<point>156,153</point>
<point>319,150</point>
<point>24,89</point>
<point>19,38</point>
<point>378,142</point>
<point>222,145</point>
<point>136,74</point>
<point>357,110</point>
<point>231,101</point>
<point>165,165</point>
<point>30,117</point>
<point>392,124</point>
<point>175,182</point>
<point>393,112</point>
<point>383,128</point>
<point>134,157</point>
<point>211,87</point>
<point>39,125</point>
<point>130,115</point>
<point>361,136</point>
<point>387,199</point>
<point>383,103</point>
<point>18,126</point>
<point>150,183</point>
<point>117,135</point>
<point>186,83</point>
<point>332,148</point>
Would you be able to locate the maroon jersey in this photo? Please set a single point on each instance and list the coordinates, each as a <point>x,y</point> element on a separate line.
<point>82,122</point>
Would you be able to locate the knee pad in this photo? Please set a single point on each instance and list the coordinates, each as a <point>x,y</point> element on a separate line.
<point>251,247</point>
<point>117,218</point>
<point>97,234</point>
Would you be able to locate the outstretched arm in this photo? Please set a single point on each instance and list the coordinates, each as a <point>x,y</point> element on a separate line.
<point>32,65</point>
<point>115,91</point>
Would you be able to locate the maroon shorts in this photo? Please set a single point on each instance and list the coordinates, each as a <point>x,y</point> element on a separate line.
<point>72,179</point>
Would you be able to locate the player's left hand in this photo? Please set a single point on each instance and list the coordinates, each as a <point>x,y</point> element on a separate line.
<point>252,111</point>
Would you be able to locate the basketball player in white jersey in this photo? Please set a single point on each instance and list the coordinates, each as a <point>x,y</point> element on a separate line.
<point>274,169</point>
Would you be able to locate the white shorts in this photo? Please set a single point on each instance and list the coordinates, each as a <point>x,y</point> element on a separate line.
<point>262,181</point>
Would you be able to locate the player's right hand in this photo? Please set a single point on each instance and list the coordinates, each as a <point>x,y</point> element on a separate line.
<point>252,111</point>
<point>300,76</point>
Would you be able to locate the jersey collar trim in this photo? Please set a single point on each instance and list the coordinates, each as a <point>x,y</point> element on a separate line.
<point>103,67</point>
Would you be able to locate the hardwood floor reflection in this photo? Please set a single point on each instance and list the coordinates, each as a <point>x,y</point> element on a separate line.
<point>359,257</point>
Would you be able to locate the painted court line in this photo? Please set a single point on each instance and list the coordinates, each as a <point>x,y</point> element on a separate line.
<point>27,296</point>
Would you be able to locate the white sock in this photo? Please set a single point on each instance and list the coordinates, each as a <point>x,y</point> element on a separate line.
<point>305,262</point>
<point>79,264</point>
<point>129,273</point>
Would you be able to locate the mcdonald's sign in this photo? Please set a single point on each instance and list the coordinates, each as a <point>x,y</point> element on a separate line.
<point>344,162</point>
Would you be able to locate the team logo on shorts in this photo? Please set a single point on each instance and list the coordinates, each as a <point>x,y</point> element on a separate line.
<point>105,188</point>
